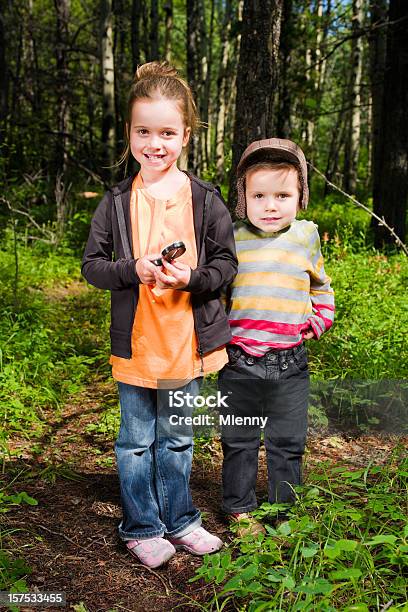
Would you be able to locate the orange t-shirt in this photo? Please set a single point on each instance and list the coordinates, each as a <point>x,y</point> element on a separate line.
<point>164,342</point>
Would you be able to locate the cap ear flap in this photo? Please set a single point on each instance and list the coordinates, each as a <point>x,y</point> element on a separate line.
<point>240,209</point>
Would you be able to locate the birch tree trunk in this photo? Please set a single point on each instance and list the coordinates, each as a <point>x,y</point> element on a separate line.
<point>352,148</point>
<point>108,84</point>
<point>120,66</point>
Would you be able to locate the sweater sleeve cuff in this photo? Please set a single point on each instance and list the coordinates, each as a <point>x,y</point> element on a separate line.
<point>194,284</point>
<point>316,328</point>
<point>129,272</point>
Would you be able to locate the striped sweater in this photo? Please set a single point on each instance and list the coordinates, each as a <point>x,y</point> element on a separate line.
<point>281,289</point>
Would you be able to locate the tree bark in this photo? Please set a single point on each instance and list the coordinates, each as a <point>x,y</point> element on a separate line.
<point>390,192</point>
<point>154,30</point>
<point>352,148</point>
<point>120,64</point>
<point>207,102</point>
<point>256,78</point>
<point>135,38</point>
<point>3,80</point>
<point>222,91</point>
<point>283,124</point>
<point>196,70</point>
<point>62,8</point>
<point>378,45</point>
<point>168,10</point>
<point>108,84</point>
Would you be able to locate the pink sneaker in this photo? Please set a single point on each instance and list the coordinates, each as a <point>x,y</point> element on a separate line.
<point>152,552</point>
<point>198,542</point>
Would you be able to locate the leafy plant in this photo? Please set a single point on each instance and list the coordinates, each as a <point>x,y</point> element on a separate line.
<point>344,545</point>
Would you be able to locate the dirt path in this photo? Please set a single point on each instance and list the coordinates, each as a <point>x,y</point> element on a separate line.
<point>70,539</point>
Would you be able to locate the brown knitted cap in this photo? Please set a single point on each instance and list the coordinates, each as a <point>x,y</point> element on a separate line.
<point>271,149</point>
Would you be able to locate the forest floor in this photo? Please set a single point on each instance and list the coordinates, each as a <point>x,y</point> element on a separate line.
<point>69,540</point>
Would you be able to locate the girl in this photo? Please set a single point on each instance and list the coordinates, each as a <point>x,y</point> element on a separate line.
<point>168,327</point>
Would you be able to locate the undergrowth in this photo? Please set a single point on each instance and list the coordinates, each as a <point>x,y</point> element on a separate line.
<point>343,547</point>
<point>345,544</point>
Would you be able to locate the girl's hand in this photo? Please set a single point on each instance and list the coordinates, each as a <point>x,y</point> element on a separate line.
<point>145,269</point>
<point>178,277</point>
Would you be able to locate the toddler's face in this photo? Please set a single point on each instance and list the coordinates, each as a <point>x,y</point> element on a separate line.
<point>272,197</point>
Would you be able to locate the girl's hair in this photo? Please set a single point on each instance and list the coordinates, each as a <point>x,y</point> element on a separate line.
<point>159,80</point>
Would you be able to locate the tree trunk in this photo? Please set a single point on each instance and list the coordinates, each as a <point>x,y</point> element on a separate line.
<point>3,80</point>
<point>352,148</point>
<point>120,64</point>
<point>256,77</point>
<point>283,124</point>
<point>222,91</point>
<point>168,9</point>
<point>232,70</point>
<point>154,30</point>
<point>146,32</point>
<point>108,86</point>
<point>378,43</point>
<point>135,25</point>
<point>196,69</point>
<point>390,193</point>
<point>206,99</point>
<point>62,8</point>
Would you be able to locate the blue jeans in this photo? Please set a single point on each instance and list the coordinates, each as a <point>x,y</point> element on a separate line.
<point>275,387</point>
<point>154,465</point>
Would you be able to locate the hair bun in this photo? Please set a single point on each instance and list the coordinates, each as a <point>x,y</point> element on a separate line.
<point>154,69</point>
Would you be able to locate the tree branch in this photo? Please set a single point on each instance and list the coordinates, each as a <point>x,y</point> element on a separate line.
<point>51,238</point>
<point>381,220</point>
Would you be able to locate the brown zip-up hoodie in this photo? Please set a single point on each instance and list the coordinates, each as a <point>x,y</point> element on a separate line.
<point>104,266</point>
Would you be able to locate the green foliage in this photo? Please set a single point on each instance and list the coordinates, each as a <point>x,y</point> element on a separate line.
<point>13,570</point>
<point>344,546</point>
<point>50,343</point>
<point>367,340</point>
<point>338,216</point>
<point>107,426</point>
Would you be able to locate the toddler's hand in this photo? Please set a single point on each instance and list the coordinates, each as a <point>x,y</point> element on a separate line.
<point>309,335</point>
<point>178,277</point>
<point>145,269</point>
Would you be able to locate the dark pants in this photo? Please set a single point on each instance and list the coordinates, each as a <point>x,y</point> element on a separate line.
<point>276,387</point>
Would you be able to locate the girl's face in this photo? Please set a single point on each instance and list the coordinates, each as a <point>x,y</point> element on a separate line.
<point>272,197</point>
<point>157,134</point>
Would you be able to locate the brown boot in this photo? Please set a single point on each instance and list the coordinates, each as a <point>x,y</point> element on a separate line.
<point>247,524</point>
